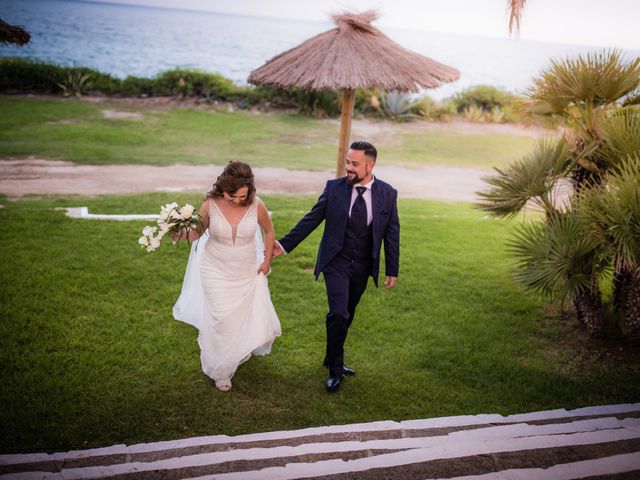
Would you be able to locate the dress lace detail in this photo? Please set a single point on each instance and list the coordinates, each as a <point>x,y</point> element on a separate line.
<point>238,318</point>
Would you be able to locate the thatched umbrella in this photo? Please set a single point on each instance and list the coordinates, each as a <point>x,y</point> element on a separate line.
<point>10,34</point>
<point>353,55</point>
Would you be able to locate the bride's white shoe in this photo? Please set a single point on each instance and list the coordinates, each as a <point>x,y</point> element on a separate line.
<point>223,385</point>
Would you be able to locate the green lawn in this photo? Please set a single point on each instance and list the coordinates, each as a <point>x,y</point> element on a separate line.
<point>69,129</point>
<point>90,355</point>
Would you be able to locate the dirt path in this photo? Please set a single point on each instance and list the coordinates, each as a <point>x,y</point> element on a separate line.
<point>44,177</point>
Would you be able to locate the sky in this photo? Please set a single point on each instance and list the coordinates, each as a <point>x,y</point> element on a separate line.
<point>608,23</point>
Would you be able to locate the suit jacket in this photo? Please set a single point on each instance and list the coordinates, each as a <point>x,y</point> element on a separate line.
<point>333,207</point>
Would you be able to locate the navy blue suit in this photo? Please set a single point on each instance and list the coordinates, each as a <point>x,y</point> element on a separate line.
<point>346,262</point>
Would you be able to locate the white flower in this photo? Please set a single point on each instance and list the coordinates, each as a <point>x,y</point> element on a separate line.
<point>186,212</point>
<point>155,243</point>
<point>143,241</point>
<point>146,231</point>
<point>150,248</point>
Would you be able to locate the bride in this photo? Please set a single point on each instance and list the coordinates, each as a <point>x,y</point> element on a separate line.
<point>225,292</point>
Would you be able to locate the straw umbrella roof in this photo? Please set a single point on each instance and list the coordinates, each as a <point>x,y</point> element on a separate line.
<point>353,55</point>
<point>10,34</point>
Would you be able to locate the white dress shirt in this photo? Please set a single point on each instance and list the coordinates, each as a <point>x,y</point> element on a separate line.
<point>367,199</point>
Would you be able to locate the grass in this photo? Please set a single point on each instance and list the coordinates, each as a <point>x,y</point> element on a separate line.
<point>457,150</point>
<point>90,355</point>
<point>69,129</point>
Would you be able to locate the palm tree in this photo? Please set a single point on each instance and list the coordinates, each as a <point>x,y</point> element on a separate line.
<point>565,255</point>
<point>515,8</point>
<point>611,214</point>
<point>558,259</point>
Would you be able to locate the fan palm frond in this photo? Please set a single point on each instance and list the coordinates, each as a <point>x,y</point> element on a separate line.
<point>621,135</point>
<point>556,259</point>
<point>613,213</point>
<point>533,178</point>
<point>594,80</point>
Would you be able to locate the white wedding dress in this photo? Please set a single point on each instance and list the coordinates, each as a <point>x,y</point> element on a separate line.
<point>224,296</point>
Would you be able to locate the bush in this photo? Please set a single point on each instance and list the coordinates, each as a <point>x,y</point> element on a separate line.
<point>20,75</point>
<point>474,114</point>
<point>432,109</point>
<point>485,97</point>
<point>189,83</point>
<point>137,87</point>
<point>320,104</point>
<point>367,101</point>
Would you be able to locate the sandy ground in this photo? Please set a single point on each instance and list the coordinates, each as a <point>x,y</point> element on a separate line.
<point>43,177</point>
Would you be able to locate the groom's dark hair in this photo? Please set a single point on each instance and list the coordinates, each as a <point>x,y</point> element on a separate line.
<point>368,149</point>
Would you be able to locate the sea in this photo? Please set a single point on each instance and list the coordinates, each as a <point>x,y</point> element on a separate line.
<point>127,40</point>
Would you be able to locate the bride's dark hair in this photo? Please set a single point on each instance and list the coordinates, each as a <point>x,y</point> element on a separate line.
<point>234,176</point>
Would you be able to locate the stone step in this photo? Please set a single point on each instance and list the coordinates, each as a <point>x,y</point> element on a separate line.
<point>478,445</point>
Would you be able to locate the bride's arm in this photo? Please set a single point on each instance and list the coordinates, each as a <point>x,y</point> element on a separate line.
<point>264,220</point>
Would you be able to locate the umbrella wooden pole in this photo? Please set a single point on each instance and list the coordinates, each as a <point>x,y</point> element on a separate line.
<point>348,101</point>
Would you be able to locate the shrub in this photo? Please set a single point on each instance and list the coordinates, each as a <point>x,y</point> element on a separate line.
<point>76,83</point>
<point>190,82</point>
<point>320,103</point>
<point>270,97</point>
<point>137,87</point>
<point>367,101</point>
<point>473,113</point>
<point>20,75</point>
<point>398,105</point>
<point>432,109</point>
<point>496,115</point>
<point>484,97</point>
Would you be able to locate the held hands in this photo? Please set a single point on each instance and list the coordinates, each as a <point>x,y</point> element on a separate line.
<point>277,250</point>
<point>389,282</point>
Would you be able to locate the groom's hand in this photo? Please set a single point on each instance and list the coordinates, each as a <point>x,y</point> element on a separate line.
<point>389,282</point>
<point>277,250</point>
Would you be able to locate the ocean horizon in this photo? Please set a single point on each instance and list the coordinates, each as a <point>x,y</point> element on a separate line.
<point>125,40</point>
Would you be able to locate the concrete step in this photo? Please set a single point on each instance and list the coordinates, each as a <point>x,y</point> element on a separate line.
<point>558,442</point>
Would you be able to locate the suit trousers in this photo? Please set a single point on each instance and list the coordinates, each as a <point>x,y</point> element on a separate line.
<point>345,280</point>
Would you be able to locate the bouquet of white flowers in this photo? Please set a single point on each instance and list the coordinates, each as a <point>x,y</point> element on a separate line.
<point>172,219</point>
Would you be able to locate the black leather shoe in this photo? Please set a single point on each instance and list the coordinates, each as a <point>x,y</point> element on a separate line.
<point>333,383</point>
<point>345,370</point>
<point>348,371</point>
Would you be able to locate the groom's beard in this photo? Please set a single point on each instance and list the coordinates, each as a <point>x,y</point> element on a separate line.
<point>352,178</point>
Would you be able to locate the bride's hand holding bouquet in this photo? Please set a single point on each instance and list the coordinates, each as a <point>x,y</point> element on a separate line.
<point>177,222</point>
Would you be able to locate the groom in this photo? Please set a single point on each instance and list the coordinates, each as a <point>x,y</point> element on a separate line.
<point>360,212</point>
